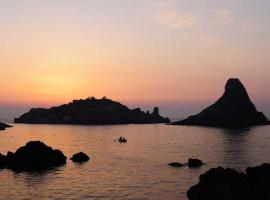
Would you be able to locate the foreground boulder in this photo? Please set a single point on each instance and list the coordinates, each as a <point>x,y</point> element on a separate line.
<point>228,184</point>
<point>194,162</point>
<point>233,109</point>
<point>91,111</point>
<point>4,126</point>
<point>79,157</point>
<point>35,155</point>
<point>259,180</point>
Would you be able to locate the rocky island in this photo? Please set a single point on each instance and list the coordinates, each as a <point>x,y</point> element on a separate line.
<point>91,111</point>
<point>3,126</point>
<point>233,109</point>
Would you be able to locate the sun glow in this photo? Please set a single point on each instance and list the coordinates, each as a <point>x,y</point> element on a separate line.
<point>132,51</point>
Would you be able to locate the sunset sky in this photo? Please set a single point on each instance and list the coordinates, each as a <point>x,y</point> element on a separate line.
<point>176,54</point>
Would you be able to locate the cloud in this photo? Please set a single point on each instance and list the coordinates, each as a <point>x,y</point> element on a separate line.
<point>166,14</point>
<point>182,14</point>
<point>224,17</point>
<point>172,19</point>
<point>211,40</point>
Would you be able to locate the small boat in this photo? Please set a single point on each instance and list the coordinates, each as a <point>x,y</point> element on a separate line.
<point>122,140</point>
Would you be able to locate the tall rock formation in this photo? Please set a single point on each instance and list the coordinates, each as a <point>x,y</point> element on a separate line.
<point>233,109</point>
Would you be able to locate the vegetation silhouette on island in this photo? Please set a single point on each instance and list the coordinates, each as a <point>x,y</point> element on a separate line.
<point>233,109</point>
<point>91,111</point>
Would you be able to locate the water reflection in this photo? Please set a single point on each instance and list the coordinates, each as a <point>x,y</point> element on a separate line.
<point>235,144</point>
<point>240,131</point>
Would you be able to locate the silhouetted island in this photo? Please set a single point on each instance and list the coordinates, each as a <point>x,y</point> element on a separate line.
<point>3,126</point>
<point>224,184</point>
<point>233,109</point>
<point>91,111</point>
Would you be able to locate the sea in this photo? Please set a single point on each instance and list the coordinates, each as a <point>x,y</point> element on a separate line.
<point>134,170</point>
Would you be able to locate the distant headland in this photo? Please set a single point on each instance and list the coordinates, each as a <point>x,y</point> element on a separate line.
<point>91,111</point>
<point>233,109</point>
<point>3,126</point>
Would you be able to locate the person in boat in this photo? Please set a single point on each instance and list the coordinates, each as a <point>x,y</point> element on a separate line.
<point>122,139</point>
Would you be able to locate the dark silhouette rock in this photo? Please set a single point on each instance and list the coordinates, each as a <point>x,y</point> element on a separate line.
<point>4,126</point>
<point>2,161</point>
<point>194,162</point>
<point>156,111</point>
<point>91,111</point>
<point>220,184</point>
<point>79,157</point>
<point>259,180</point>
<point>35,155</point>
<point>223,184</point>
<point>176,164</point>
<point>233,109</point>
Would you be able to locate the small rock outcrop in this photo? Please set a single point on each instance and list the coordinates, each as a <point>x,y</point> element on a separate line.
<point>3,126</point>
<point>176,164</point>
<point>194,162</point>
<point>233,109</point>
<point>223,184</point>
<point>35,155</point>
<point>80,157</point>
<point>91,111</point>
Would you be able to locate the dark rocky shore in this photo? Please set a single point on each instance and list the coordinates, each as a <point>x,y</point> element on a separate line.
<point>91,111</point>
<point>233,109</point>
<point>228,184</point>
<point>4,126</point>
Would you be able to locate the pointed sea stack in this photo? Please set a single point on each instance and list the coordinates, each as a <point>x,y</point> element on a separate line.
<point>233,109</point>
<point>91,111</point>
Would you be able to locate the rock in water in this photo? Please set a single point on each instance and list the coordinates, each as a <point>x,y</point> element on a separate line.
<point>223,184</point>
<point>91,111</point>
<point>233,109</point>
<point>79,157</point>
<point>193,162</point>
<point>176,164</point>
<point>3,126</point>
<point>35,155</point>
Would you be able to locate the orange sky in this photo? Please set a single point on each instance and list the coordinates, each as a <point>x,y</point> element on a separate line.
<point>137,52</point>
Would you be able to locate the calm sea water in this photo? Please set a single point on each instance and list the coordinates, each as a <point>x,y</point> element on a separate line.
<point>135,170</point>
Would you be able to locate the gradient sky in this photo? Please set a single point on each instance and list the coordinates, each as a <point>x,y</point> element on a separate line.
<point>175,54</point>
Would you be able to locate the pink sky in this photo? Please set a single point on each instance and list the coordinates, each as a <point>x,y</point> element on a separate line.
<point>174,54</point>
